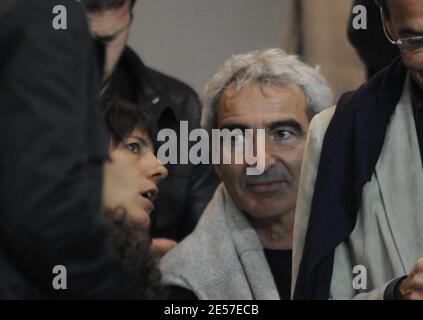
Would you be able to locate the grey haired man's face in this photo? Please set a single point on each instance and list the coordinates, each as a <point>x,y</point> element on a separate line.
<point>282,112</point>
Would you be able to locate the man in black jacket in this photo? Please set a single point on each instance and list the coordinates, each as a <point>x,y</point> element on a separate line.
<point>52,148</point>
<point>188,188</point>
<point>371,44</point>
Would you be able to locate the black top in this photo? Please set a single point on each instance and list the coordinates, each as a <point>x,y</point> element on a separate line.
<point>179,293</point>
<point>417,100</point>
<point>279,261</point>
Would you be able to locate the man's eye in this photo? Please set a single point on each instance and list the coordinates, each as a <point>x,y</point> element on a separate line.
<point>283,134</point>
<point>237,139</point>
<point>133,147</point>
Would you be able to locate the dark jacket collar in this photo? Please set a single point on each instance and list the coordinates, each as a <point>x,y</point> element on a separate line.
<point>132,72</point>
<point>351,148</point>
<point>416,96</point>
<point>139,72</point>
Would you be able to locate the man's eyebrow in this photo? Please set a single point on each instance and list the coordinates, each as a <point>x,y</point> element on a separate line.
<point>291,123</point>
<point>407,32</point>
<point>109,37</point>
<point>235,126</point>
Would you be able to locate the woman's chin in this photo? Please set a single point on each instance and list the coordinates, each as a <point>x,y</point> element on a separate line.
<point>140,217</point>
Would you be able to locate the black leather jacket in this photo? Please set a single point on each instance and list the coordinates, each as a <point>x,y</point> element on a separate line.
<point>187,190</point>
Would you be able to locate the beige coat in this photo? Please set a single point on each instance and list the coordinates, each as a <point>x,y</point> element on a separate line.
<point>388,237</point>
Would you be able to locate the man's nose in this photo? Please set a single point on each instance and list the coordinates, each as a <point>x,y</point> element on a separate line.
<point>269,156</point>
<point>264,146</point>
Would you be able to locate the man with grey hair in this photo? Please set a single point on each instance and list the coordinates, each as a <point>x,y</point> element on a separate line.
<point>241,248</point>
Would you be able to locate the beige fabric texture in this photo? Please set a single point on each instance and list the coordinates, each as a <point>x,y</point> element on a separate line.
<point>387,238</point>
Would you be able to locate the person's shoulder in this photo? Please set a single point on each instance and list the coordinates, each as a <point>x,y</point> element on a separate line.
<point>167,83</point>
<point>386,83</point>
<point>183,265</point>
<point>196,250</point>
<point>178,255</point>
<point>320,123</point>
<point>203,257</point>
<point>183,99</point>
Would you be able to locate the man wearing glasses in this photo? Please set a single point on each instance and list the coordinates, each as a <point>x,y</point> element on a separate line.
<point>359,217</point>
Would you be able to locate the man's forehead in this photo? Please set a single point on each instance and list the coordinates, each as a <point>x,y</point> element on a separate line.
<point>254,111</point>
<point>256,99</point>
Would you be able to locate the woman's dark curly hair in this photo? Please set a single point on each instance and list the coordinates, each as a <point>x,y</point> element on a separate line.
<point>131,241</point>
<point>121,118</point>
<point>133,246</point>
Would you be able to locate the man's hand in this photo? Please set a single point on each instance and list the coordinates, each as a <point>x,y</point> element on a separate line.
<point>411,288</point>
<point>161,246</point>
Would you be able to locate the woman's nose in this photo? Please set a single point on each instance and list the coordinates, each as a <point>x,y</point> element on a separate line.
<point>158,171</point>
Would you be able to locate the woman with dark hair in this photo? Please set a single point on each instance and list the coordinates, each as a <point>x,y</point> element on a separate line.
<point>133,172</point>
<point>129,190</point>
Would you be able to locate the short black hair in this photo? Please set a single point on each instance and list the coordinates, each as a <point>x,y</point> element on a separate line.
<point>101,5</point>
<point>122,118</point>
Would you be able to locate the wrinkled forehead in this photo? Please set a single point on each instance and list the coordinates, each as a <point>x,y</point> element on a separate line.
<point>256,104</point>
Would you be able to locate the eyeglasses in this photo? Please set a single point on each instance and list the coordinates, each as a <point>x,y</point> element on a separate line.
<point>408,45</point>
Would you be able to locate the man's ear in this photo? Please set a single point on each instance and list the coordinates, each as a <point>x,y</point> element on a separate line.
<point>387,22</point>
<point>383,7</point>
